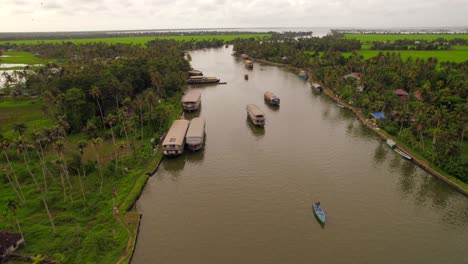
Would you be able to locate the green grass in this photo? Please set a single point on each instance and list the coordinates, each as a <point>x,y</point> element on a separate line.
<point>457,54</point>
<point>22,58</point>
<point>22,111</point>
<point>136,40</point>
<point>393,37</point>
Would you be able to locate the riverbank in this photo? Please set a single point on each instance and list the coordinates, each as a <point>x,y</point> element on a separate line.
<point>421,162</point>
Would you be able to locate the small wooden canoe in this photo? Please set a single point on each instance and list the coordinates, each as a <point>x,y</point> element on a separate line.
<point>319,213</point>
<point>340,105</point>
<point>402,153</point>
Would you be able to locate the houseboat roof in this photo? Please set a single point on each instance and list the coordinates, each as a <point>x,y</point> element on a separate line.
<point>316,85</point>
<point>270,95</point>
<point>176,134</point>
<point>201,77</point>
<point>195,72</point>
<point>355,75</point>
<point>254,110</point>
<point>196,128</point>
<point>401,92</point>
<point>191,96</point>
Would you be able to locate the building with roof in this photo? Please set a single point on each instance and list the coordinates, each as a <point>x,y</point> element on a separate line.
<point>356,76</point>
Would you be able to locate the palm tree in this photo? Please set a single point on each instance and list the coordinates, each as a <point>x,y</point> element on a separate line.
<point>5,145</point>
<point>10,181</point>
<point>111,119</point>
<point>96,94</point>
<point>12,207</point>
<point>96,141</point>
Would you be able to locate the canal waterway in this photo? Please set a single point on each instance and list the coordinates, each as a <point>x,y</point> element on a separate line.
<point>246,198</point>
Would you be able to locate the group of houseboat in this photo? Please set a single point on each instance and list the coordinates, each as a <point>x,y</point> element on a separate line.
<point>256,115</point>
<point>191,101</point>
<point>197,77</point>
<point>184,133</point>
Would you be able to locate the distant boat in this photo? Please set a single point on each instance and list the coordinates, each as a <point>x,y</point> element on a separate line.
<point>303,74</point>
<point>340,105</point>
<point>391,143</point>
<point>319,213</point>
<point>402,153</point>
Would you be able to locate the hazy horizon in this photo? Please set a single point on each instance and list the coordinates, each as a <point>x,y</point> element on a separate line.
<point>126,15</point>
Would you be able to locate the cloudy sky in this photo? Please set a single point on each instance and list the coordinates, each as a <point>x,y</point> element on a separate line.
<point>77,15</point>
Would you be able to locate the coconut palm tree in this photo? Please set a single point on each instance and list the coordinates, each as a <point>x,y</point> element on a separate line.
<point>5,145</point>
<point>96,94</point>
<point>96,141</point>
<point>12,207</point>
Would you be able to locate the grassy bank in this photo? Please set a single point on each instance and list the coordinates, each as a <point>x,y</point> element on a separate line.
<point>87,227</point>
<point>392,37</point>
<point>136,40</point>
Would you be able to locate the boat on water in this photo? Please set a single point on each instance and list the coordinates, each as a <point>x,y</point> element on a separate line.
<point>191,101</point>
<point>246,77</point>
<point>195,134</point>
<point>319,213</point>
<point>391,143</point>
<point>248,64</point>
<point>271,98</point>
<point>195,73</point>
<point>317,87</point>
<point>255,115</point>
<point>303,74</point>
<point>174,142</point>
<point>340,105</point>
<point>402,153</point>
<point>202,80</point>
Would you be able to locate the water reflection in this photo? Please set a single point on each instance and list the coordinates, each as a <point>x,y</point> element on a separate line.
<point>380,154</point>
<point>173,166</point>
<point>407,179</point>
<point>196,156</point>
<point>192,114</point>
<point>258,132</point>
<point>272,107</point>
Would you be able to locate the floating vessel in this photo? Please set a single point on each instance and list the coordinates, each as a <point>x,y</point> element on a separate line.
<point>255,115</point>
<point>391,143</point>
<point>271,98</point>
<point>196,134</point>
<point>195,73</point>
<point>202,80</point>
<point>402,153</point>
<point>303,74</point>
<point>174,142</point>
<point>317,87</point>
<point>340,105</point>
<point>191,101</point>
<point>248,64</point>
<point>319,213</point>
<point>246,77</point>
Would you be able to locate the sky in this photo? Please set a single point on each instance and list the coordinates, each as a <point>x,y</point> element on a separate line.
<point>90,15</point>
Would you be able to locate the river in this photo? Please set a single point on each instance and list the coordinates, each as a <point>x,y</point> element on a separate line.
<point>246,198</point>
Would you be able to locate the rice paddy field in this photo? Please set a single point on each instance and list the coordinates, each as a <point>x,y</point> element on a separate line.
<point>392,37</point>
<point>456,54</point>
<point>137,40</point>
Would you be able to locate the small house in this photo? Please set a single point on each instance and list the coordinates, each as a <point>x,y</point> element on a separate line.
<point>9,242</point>
<point>356,76</point>
<point>402,94</point>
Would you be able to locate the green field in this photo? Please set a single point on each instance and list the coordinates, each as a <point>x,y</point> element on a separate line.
<point>15,57</point>
<point>393,37</point>
<point>135,40</point>
<point>457,54</point>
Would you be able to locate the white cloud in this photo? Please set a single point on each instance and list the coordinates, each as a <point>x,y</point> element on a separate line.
<point>64,15</point>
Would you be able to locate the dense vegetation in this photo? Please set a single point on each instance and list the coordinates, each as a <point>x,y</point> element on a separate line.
<point>431,119</point>
<point>135,40</point>
<point>367,38</point>
<point>72,155</point>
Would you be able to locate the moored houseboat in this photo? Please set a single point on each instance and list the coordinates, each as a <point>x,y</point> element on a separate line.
<point>391,143</point>
<point>195,134</point>
<point>303,74</point>
<point>255,115</point>
<point>248,64</point>
<point>174,142</point>
<point>317,87</point>
<point>271,98</point>
<point>195,73</point>
<point>202,80</point>
<point>191,101</point>
<point>244,56</point>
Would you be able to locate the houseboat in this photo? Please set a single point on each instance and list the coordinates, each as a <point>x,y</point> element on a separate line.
<point>202,80</point>
<point>195,73</point>
<point>391,143</point>
<point>255,115</point>
<point>246,77</point>
<point>191,101</point>
<point>317,87</point>
<point>271,98</point>
<point>248,64</point>
<point>174,142</point>
<point>303,74</point>
<point>196,134</point>
<point>244,56</point>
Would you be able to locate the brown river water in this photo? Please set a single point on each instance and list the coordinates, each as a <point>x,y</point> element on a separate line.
<point>246,198</point>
